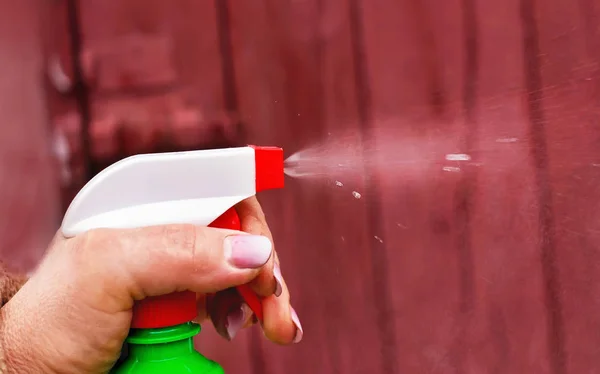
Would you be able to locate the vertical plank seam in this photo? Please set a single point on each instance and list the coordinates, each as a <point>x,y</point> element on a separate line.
<point>471,31</point>
<point>437,95</point>
<point>538,146</point>
<point>384,309</point>
<point>258,362</point>
<point>230,96</point>
<point>80,88</point>
<point>467,185</point>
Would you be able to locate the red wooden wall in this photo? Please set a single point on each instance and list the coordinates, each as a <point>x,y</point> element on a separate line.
<point>490,269</point>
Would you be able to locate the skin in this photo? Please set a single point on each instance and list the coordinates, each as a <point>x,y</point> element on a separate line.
<point>74,313</point>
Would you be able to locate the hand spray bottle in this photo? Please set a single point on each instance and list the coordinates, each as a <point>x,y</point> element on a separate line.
<point>197,187</point>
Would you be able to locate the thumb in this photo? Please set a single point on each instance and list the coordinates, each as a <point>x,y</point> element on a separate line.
<point>163,259</point>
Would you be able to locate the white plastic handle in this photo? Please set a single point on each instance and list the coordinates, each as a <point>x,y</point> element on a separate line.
<point>164,188</point>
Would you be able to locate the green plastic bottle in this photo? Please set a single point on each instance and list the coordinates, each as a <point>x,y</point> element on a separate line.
<point>165,350</point>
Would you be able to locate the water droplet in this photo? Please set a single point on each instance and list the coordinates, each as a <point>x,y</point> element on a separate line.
<point>451,169</point>
<point>506,140</point>
<point>356,195</point>
<point>401,226</point>
<point>378,239</point>
<point>457,157</point>
<point>339,184</point>
<point>343,239</point>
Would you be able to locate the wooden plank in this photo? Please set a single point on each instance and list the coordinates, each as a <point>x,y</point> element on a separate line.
<point>564,73</point>
<point>415,119</point>
<point>507,330</point>
<point>442,256</point>
<point>353,286</point>
<point>28,180</point>
<point>295,81</point>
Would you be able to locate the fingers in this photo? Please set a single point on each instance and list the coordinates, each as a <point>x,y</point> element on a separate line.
<point>227,310</point>
<point>281,323</point>
<point>229,313</point>
<point>253,221</point>
<point>159,260</point>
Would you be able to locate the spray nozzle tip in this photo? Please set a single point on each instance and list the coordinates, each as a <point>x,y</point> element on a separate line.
<point>269,167</point>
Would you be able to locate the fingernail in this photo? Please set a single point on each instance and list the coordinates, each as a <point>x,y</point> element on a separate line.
<point>296,320</point>
<point>235,321</point>
<point>278,280</point>
<point>247,251</point>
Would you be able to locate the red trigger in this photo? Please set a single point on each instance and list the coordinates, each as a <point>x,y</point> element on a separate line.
<point>231,221</point>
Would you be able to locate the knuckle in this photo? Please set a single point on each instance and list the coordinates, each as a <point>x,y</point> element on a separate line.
<point>93,238</point>
<point>83,241</point>
<point>206,252</point>
<point>255,225</point>
<point>195,248</point>
<point>180,238</point>
<point>87,241</point>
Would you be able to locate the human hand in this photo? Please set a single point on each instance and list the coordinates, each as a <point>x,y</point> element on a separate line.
<point>75,311</point>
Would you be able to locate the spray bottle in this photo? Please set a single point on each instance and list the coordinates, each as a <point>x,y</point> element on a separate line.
<point>197,187</point>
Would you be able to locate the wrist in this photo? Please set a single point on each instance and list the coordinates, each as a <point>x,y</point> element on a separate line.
<point>18,351</point>
<point>10,284</point>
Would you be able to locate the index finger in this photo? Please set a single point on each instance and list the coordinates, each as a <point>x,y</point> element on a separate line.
<point>253,221</point>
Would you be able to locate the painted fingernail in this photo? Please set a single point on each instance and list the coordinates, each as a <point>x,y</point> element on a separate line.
<point>236,319</point>
<point>278,280</point>
<point>247,251</point>
<point>296,320</point>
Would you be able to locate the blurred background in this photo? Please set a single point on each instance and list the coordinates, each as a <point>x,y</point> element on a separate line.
<point>490,266</point>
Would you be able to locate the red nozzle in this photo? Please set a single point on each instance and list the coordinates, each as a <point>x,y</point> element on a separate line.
<point>269,167</point>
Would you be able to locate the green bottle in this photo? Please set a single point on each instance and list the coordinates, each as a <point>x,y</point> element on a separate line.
<point>166,350</point>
